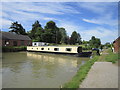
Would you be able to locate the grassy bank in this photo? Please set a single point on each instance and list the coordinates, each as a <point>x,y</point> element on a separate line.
<point>13,48</point>
<point>81,74</point>
<point>109,56</point>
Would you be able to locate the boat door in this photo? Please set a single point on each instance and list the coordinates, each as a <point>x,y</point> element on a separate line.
<point>79,50</point>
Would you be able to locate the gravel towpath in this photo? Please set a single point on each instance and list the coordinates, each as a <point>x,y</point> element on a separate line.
<point>101,75</point>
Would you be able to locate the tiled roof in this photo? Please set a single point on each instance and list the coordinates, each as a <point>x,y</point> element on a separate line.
<point>13,36</point>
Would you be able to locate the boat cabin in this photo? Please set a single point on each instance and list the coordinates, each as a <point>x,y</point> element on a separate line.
<point>56,49</point>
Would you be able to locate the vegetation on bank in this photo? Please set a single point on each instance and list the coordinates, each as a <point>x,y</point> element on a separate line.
<point>13,48</point>
<point>109,56</point>
<point>81,74</point>
<point>51,33</point>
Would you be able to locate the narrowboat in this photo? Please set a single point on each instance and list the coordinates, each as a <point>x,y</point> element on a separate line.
<point>56,49</point>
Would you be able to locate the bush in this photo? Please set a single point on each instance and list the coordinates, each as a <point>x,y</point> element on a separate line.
<point>13,48</point>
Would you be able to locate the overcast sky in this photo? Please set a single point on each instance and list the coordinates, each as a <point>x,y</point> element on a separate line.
<point>99,19</point>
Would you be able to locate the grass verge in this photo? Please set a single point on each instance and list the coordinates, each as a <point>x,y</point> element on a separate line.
<point>13,48</point>
<point>81,74</point>
<point>112,57</point>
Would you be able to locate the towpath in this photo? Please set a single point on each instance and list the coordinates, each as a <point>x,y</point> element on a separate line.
<point>101,75</point>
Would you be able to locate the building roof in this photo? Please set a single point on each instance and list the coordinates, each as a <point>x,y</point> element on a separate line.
<point>116,39</point>
<point>13,36</point>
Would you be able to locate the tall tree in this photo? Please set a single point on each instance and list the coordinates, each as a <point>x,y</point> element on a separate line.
<point>35,26</point>
<point>79,39</point>
<point>67,40</point>
<point>53,32</point>
<point>95,42</point>
<point>36,32</point>
<point>17,28</point>
<point>73,38</point>
<point>63,34</point>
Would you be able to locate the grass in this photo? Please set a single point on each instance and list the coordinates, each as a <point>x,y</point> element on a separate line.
<point>81,74</point>
<point>109,56</point>
<point>13,48</point>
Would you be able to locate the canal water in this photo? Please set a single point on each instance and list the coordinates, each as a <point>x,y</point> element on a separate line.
<point>38,70</point>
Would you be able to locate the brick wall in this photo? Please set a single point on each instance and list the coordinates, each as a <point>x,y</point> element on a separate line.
<point>16,42</point>
<point>117,45</point>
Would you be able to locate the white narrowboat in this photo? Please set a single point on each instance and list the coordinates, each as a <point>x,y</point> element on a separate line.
<point>56,49</point>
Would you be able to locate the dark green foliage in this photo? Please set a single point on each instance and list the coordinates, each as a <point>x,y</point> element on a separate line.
<point>50,34</point>
<point>75,38</point>
<point>94,42</point>
<point>108,45</point>
<point>17,28</point>
<point>79,39</point>
<point>13,48</point>
<point>64,38</point>
<point>36,32</point>
<point>67,40</point>
<point>53,33</point>
<point>85,42</point>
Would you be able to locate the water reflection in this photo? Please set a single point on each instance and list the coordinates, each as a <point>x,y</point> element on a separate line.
<point>21,69</point>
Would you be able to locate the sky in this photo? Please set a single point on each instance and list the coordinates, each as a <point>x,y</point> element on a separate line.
<point>99,19</point>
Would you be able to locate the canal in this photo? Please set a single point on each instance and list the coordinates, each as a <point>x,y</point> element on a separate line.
<point>38,70</point>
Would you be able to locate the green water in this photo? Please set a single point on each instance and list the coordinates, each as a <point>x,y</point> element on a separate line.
<point>38,70</point>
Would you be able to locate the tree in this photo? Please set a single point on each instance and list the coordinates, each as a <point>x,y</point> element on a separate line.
<point>17,28</point>
<point>67,40</point>
<point>35,27</point>
<point>36,32</point>
<point>63,35</point>
<point>53,32</point>
<point>85,42</point>
<point>95,42</point>
<point>107,44</point>
<point>73,38</point>
<point>79,39</point>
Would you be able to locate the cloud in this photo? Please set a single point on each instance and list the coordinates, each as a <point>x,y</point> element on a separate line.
<point>5,23</point>
<point>47,18</point>
<point>97,7</point>
<point>103,13</point>
<point>103,20</point>
<point>106,35</point>
<point>26,12</point>
<point>69,26</point>
<point>50,8</point>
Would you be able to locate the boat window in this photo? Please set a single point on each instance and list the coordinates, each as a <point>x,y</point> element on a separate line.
<point>37,48</point>
<point>48,48</point>
<point>32,48</point>
<point>68,49</point>
<point>42,48</point>
<point>56,49</point>
<point>34,43</point>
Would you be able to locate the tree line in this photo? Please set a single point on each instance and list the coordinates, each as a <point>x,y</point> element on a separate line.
<point>53,34</point>
<point>49,34</point>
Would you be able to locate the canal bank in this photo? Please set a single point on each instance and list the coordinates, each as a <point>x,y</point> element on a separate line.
<point>14,48</point>
<point>104,73</point>
<point>81,74</point>
<point>101,75</point>
<point>106,56</point>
